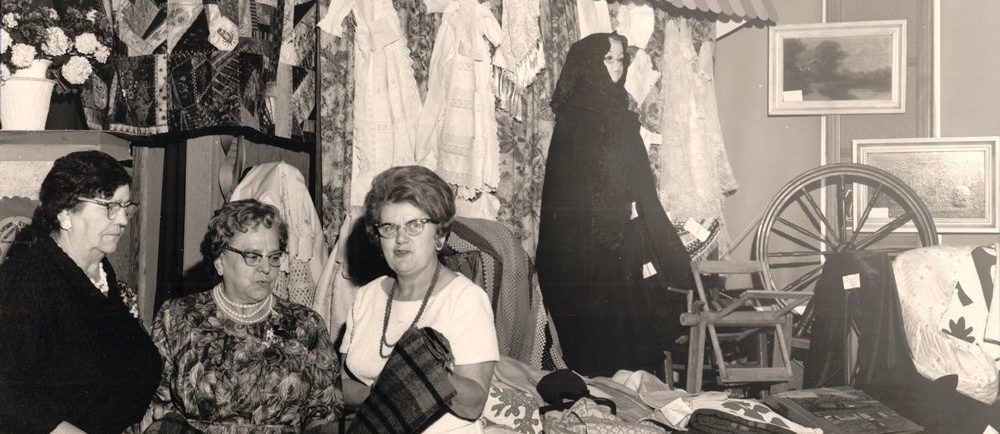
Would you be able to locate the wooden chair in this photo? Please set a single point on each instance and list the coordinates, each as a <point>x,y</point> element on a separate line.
<point>752,312</point>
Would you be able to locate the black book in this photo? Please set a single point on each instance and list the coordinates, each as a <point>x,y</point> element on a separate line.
<point>840,410</point>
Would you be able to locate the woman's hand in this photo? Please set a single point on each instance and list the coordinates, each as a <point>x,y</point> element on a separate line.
<point>67,428</point>
<point>472,382</point>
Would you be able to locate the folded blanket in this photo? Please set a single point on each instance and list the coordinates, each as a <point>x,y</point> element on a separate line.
<point>413,389</point>
<point>712,421</point>
<point>586,416</point>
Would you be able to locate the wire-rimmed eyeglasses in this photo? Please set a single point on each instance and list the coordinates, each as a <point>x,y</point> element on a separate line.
<point>412,228</point>
<point>114,208</point>
<point>252,259</point>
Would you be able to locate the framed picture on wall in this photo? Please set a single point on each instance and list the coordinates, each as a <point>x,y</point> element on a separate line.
<point>837,68</point>
<point>956,178</point>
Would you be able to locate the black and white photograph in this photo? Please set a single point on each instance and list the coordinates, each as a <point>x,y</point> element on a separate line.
<point>499,216</point>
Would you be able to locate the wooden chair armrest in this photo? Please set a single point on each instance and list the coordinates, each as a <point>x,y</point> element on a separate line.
<point>778,295</point>
<point>794,299</point>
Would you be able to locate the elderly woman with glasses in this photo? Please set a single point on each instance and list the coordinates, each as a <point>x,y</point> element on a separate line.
<point>408,215</point>
<point>237,358</point>
<point>72,357</point>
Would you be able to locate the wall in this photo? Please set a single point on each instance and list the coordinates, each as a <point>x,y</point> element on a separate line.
<point>970,89</point>
<point>765,152</point>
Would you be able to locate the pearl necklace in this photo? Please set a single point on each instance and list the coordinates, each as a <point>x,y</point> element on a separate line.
<point>388,309</point>
<point>257,311</point>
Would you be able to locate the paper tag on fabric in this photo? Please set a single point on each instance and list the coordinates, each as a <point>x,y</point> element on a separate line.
<point>635,212</point>
<point>697,230</point>
<point>852,281</point>
<point>648,270</point>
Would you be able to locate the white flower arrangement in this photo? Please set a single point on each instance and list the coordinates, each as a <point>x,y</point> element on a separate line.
<point>56,42</point>
<point>102,53</point>
<point>77,70</point>
<point>10,20</point>
<point>76,41</point>
<point>4,72</point>
<point>86,43</point>
<point>22,55</point>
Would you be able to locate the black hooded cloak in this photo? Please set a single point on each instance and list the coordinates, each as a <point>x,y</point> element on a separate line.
<point>607,250</point>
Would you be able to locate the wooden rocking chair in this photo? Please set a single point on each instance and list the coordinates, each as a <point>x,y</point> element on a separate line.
<point>761,310</point>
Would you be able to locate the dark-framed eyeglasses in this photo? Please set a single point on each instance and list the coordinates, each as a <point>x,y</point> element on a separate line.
<point>252,259</point>
<point>114,208</point>
<point>412,228</point>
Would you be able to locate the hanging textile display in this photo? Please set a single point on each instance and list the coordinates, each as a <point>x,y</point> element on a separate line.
<point>524,128</point>
<point>636,20</point>
<point>282,185</point>
<point>694,172</point>
<point>520,56</point>
<point>649,108</point>
<point>524,143</point>
<point>420,28</point>
<point>336,126</point>
<point>593,17</point>
<point>386,101</point>
<point>200,67</point>
<point>457,128</point>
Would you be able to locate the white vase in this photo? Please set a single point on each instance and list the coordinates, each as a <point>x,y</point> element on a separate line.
<point>39,69</point>
<point>24,103</point>
<point>25,97</point>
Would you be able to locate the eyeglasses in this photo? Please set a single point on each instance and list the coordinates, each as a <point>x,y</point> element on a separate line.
<point>114,208</point>
<point>253,258</point>
<point>612,59</point>
<point>412,228</point>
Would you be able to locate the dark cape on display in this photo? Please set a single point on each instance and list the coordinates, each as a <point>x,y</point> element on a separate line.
<point>607,250</point>
<point>67,352</point>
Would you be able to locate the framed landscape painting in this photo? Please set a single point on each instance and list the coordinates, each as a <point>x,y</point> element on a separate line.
<point>837,68</point>
<point>955,177</point>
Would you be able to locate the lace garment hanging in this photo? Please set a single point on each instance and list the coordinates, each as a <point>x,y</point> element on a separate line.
<point>695,174</point>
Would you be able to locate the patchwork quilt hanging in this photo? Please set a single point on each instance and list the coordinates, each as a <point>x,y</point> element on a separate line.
<point>190,66</point>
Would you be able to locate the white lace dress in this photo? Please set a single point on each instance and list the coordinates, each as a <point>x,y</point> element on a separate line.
<point>387,103</point>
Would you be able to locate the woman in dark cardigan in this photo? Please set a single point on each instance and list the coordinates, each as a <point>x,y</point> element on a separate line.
<point>72,357</point>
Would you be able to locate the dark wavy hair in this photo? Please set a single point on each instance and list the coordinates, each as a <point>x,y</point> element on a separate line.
<point>416,185</point>
<point>241,216</point>
<point>86,174</point>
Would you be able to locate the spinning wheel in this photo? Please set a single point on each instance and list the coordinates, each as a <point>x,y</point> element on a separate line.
<point>795,232</point>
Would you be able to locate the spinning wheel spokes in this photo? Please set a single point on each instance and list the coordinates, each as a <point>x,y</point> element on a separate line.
<point>796,233</point>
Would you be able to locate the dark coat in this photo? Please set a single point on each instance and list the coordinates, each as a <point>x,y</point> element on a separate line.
<point>68,352</point>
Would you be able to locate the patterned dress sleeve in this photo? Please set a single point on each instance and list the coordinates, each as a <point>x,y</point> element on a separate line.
<point>323,404</point>
<point>162,403</point>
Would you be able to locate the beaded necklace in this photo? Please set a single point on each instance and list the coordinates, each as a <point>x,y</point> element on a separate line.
<point>388,309</point>
<point>257,311</point>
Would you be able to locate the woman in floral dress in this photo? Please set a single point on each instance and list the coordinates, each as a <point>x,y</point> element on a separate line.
<point>237,358</point>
